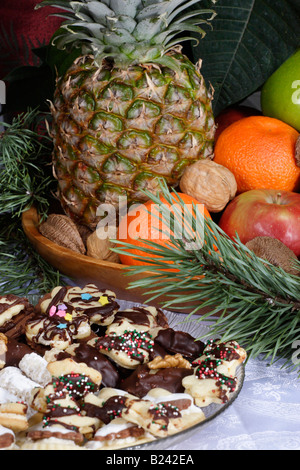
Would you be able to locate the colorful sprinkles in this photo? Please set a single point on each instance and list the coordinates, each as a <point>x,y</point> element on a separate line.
<point>136,344</point>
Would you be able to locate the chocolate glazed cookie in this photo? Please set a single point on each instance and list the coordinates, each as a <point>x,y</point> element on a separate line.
<point>144,379</point>
<point>89,355</point>
<point>14,313</point>
<point>174,341</point>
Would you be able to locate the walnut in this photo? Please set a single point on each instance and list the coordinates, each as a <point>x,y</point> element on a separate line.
<point>169,361</point>
<point>101,248</point>
<point>210,183</point>
<point>63,231</point>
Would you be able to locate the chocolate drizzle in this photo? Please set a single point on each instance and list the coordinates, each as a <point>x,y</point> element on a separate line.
<point>142,317</point>
<point>93,358</point>
<point>175,341</point>
<point>142,380</point>
<point>83,304</point>
<point>55,327</point>
<point>207,369</point>
<point>110,409</point>
<point>225,351</point>
<point>15,326</point>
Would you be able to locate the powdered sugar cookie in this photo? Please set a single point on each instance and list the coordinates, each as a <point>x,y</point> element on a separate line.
<point>35,368</point>
<point>15,382</point>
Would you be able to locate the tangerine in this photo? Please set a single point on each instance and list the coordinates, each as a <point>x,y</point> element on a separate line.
<point>260,152</point>
<point>146,223</point>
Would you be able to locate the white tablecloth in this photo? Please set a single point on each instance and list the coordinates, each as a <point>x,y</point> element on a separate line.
<point>265,415</point>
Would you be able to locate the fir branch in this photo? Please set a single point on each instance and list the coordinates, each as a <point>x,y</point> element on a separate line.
<point>23,271</point>
<point>25,164</point>
<point>249,299</point>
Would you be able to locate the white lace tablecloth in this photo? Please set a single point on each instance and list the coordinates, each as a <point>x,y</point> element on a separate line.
<point>264,416</point>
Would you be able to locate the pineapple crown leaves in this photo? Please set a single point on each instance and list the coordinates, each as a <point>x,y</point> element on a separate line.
<point>143,34</point>
<point>255,302</point>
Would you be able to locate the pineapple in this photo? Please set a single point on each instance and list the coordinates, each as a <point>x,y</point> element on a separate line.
<point>132,108</point>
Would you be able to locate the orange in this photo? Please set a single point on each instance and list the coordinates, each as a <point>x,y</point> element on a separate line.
<point>260,152</point>
<point>145,222</point>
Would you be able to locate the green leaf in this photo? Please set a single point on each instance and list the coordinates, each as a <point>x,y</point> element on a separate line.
<point>249,40</point>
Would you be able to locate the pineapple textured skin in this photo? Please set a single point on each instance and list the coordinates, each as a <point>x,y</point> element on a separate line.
<point>116,130</point>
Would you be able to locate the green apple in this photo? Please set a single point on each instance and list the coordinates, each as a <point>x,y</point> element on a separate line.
<point>280,96</point>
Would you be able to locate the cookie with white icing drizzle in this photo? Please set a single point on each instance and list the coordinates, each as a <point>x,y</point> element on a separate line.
<point>7,438</point>
<point>163,415</point>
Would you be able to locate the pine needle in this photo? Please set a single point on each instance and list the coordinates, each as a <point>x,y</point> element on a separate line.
<point>25,179</point>
<point>23,271</point>
<point>257,303</point>
<point>25,166</point>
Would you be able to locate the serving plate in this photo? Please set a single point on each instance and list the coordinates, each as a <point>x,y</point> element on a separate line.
<point>197,330</point>
<point>84,269</point>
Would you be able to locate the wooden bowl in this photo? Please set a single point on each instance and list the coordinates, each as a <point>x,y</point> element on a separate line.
<point>83,269</point>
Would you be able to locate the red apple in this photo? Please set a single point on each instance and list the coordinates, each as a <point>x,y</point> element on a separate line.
<point>264,212</point>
